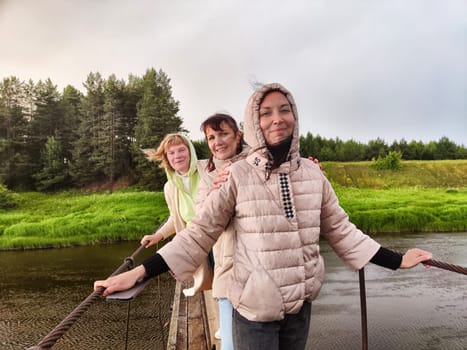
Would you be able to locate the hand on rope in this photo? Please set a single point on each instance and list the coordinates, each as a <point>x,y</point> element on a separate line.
<point>122,281</point>
<point>414,257</point>
<point>150,240</point>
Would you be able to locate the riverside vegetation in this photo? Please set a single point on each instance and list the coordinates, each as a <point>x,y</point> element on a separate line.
<point>422,196</point>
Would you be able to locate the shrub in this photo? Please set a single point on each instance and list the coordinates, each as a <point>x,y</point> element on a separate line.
<point>6,198</point>
<point>393,161</point>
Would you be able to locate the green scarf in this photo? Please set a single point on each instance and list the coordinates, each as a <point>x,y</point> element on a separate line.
<point>186,200</point>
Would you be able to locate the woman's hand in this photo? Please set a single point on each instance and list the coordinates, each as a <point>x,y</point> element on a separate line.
<point>222,176</point>
<point>123,281</point>
<point>151,239</point>
<point>413,257</point>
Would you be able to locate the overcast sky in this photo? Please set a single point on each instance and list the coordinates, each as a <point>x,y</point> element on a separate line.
<point>359,70</point>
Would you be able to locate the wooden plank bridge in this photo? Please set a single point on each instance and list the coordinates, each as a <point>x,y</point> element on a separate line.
<point>194,321</point>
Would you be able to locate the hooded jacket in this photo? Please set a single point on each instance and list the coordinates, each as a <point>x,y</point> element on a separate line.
<point>181,204</point>
<point>224,247</point>
<point>278,217</point>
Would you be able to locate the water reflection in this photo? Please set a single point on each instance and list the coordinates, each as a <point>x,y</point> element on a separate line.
<point>407,309</point>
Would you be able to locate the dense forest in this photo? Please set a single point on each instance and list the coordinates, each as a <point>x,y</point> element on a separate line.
<point>52,140</point>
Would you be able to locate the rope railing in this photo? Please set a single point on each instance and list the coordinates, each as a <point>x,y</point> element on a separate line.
<point>446,266</point>
<point>50,339</point>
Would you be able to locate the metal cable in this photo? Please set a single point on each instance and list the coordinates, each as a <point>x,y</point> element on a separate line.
<point>159,307</point>
<point>127,325</point>
<point>363,313</point>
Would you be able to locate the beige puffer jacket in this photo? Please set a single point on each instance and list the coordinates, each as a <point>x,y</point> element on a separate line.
<point>278,217</point>
<point>224,247</point>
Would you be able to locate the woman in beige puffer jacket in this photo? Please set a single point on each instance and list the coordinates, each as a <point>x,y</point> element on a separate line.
<point>225,141</point>
<point>279,204</point>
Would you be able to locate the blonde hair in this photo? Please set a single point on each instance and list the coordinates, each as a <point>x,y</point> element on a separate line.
<point>161,151</point>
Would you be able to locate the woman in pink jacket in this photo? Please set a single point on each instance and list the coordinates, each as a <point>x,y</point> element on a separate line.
<point>280,204</point>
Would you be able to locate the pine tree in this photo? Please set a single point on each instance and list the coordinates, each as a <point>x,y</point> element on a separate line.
<point>15,162</point>
<point>72,106</point>
<point>157,116</point>
<point>87,158</point>
<point>118,121</point>
<point>157,110</point>
<point>53,173</point>
<point>46,119</point>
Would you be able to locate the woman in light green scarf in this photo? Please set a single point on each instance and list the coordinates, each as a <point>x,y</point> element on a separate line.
<point>178,157</point>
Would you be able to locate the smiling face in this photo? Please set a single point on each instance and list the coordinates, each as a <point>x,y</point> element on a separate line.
<point>222,143</point>
<point>276,118</point>
<point>179,158</point>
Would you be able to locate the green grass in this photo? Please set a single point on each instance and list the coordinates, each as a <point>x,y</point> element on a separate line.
<point>405,209</point>
<point>426,174</point>
<point>422,197</point>
<point>45,220</point>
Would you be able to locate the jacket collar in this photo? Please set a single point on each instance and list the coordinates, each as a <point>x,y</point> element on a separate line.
<point>242,155</point>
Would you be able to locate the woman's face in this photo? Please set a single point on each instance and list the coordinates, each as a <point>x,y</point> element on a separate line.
<point>223,143</point>
<point>179,158</point>
<point>276,118</point>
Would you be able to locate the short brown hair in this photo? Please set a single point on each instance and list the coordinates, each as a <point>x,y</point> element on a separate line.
<point>168,141</point>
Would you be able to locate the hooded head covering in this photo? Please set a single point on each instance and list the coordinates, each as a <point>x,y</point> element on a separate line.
<point>253,134</point>
<point>186,198</point>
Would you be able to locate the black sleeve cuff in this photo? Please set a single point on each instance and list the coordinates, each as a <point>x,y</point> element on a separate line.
<point>387,258</point>
<point>155,265</point>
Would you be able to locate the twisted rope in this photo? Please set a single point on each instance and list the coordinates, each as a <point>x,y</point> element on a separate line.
<point>446,266</point>
<point>50,339</point>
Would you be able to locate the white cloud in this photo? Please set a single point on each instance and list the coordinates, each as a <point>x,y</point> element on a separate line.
<point>358,69</point>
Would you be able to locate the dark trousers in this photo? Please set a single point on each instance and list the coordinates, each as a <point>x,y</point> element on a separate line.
<point>291,333</point>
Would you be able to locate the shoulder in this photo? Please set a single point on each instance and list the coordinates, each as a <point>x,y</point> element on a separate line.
<point>202,164</point>
<point>240,166</point>
<point>169,187</point>
<point>309,164</point>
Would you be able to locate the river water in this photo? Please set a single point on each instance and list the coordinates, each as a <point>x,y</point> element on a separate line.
<point>407,309</point>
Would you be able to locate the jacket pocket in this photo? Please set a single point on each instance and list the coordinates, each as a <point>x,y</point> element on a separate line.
<point>261,299</point>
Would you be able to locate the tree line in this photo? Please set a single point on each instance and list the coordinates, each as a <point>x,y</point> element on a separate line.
<point>52,140</point>
<point>351,150</point>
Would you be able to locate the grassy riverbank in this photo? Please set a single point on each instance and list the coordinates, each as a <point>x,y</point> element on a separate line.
<point>422,197</point>
<point>46,220</point>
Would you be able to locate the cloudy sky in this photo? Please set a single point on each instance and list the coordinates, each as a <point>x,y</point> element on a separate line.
<point>359,69</point>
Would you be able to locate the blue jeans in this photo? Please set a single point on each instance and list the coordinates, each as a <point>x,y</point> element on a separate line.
<point>287,334</point>
<point>225,321</point>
